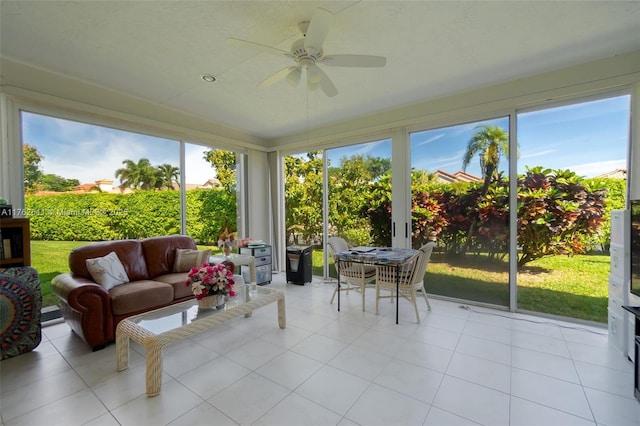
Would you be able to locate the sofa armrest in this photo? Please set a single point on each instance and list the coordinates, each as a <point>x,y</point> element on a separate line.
<point>86,308</point>
<point>71,289</point>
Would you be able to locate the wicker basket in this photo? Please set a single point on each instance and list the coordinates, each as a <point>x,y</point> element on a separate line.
<point>210,302</point>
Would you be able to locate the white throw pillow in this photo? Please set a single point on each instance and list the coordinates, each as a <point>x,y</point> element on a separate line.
<point>188,258</point>
<point>107,271</point>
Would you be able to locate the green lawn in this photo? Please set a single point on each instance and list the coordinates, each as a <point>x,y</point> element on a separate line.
<point>575,287</point>
<point>51,258</point>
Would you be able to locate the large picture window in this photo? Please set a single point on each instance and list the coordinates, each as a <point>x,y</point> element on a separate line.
<point>85,183</point>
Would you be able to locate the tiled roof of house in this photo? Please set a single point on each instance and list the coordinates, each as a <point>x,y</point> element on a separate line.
<point>615,174</point>
<point>458,176</point>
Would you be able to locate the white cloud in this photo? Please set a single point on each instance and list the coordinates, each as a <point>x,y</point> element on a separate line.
<point>429,140</point>
<point>197,170</point>
<point>538,153</point>
<point>597,168</point>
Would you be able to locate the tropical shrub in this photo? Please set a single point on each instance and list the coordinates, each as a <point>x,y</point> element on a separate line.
<point>614,200</point>
<point>557,214</point>
<point>141,214</point>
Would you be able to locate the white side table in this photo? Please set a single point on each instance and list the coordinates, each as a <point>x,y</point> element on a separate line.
<point>237,259</point>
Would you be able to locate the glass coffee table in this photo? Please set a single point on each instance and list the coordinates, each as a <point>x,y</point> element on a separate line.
<point>161,327</point>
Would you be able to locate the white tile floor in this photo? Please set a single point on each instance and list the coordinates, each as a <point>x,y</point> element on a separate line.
<point>476,366</point>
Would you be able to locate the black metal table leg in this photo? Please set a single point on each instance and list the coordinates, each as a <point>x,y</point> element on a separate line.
<point>338,269</point>
<point>397,291</point>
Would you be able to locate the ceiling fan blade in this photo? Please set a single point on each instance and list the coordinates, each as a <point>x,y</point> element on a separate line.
<point>317,30</point>
<point>354,61</point>
<point>274,78</point>
<point>258,47</point>
<point>325,84</point>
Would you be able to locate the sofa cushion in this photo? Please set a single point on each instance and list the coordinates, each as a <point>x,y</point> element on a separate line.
<point>139,296</point>
<point>159,252</point>
<point>107,270</point>
<point>187,258</point>
<point>129,252</point>
<point>176,280</point>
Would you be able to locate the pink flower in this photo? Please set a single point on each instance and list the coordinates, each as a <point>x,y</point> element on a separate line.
<point>210,279</point>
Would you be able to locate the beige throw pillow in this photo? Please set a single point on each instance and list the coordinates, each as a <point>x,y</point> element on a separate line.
<point>188,258</point>
<point>107,271</point>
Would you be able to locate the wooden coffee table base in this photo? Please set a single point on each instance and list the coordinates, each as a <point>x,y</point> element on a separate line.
<point>154,343</point>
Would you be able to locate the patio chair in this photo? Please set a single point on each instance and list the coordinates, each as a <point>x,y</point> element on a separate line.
<point>410,278</point>
<point>353,275</point>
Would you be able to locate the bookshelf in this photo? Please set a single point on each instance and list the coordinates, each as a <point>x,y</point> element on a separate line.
<point>15,242</point>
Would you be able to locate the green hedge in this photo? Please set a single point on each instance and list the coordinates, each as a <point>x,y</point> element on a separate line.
<point>141,214</point>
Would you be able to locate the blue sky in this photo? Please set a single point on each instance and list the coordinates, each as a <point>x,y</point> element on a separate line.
<point>88,153</point>
<point>589,138</point>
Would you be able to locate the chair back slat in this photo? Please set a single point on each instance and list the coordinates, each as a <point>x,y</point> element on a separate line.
<point>421,268</point>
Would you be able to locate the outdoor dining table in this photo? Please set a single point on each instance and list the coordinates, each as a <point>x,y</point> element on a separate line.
<point>377,256</point>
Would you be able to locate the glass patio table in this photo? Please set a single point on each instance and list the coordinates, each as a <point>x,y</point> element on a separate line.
<point>158,328</point>
<point>377,256</point>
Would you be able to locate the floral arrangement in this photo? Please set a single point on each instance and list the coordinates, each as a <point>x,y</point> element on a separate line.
<point>226,239</point>
<point>208,280</point>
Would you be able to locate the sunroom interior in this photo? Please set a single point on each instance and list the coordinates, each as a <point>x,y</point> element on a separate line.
<point>166,69</point>
<point>443,68</point>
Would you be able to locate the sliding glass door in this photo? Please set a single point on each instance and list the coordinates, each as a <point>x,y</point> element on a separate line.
<point>573,171</point>
<point>359,202</point>
<point>211,182</point>
<point>460,199</point>
<point>358,188</point>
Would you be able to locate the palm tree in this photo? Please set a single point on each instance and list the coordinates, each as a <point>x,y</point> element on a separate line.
<point>140,175</point>
<point>422,177</point>
<point>167,175</point>
<point>489,142</point>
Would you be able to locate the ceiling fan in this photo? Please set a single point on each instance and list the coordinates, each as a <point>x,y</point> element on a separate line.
<point>307,53</point>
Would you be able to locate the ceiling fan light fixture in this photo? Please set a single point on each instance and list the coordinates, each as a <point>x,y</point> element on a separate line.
<point>313,74</point>
<point>293,78</point>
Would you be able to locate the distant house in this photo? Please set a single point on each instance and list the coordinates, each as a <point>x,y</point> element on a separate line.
<point>614,174</point>
<point>211,183</point>
<point>100,185</point>
<point>85,187</point>
<point>458,176</point>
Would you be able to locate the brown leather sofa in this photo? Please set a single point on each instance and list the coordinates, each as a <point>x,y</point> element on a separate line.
<point>93,312</point>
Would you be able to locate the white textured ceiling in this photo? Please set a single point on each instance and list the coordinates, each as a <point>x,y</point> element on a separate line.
<point>157,50</point>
